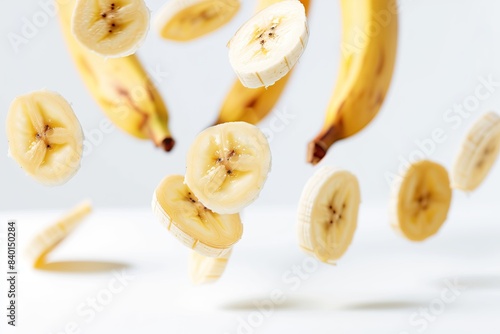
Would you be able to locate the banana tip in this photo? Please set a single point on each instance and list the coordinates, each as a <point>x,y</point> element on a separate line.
<point>316,152</point>
<point>167,144</point>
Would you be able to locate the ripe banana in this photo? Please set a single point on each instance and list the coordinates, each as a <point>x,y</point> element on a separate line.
<point>477,154</point>
<point>227,166</point>
<point>203,269</point>
<point>421,200</point>
<point>252,105</point>
<point>195,226</point>
<point>369,43</point>
<point>45,137</point>
<point>121,87</point>
<point>50,237</point>
<point>185,20</point>
<point>268,45</point>
<point>328,213</point>
<point>111,28</point>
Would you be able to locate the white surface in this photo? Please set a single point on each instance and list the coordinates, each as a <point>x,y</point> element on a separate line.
<point>444,46</point>
<point>375,288</point>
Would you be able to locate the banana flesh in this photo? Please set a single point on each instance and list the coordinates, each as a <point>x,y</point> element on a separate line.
<point>328,214</point>
<point>203,269</point>
<point>421,200</point>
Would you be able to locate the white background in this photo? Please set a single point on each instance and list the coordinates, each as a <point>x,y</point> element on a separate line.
<point>382,281</point>
<point>443,48</point>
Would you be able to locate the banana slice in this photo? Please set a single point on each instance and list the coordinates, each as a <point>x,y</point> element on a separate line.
<point>421,200</point>
<point>45,137</point>
<point>185,20</point>
<point>328,213</point>
<point>203,269</point>
<point>267,46</point>
<point>111,28</point>
<point>50,237</point>
<point>195,226</point>
<point>477,154</point>
<point>227,166</point>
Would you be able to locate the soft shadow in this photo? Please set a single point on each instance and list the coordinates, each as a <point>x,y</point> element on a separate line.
<point>253,304</point>
<point>478,281</point>
<point>382,305</point>
<point>81,266</point>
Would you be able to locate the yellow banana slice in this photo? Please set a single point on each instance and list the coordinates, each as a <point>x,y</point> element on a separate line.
<point>328,213</point>
<point>111,28</point>
<point>203,269</point>
<point>195,226</point>
<point>227,166</point>
<point>477,154</point>
<point>185,20</point>
<point>269,45</point>
<point>421,200</point>
<point>45,137</point>
<point>49,238</point>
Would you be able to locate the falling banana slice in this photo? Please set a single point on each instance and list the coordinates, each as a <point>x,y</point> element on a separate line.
<point>49,238</point>
<point>195,226</point>
<point>111,28</point>
<point>203,269</point>
<point>267,46</point>
<point>185,20</point>
<point>45,137</point>
<point>328,213</point>
<point>477,154</point>
<point>421,200</point>
<point>227,166</point>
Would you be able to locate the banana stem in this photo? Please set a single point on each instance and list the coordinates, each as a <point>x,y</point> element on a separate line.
<point>318,147</point>
<point>158,134</point>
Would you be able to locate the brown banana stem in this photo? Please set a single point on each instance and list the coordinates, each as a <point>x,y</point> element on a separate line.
<point>318,147</point>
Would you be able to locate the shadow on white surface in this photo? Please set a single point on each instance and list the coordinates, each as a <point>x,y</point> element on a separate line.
<point>79,267</point>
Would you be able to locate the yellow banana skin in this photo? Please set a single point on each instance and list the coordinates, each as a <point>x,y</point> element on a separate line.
<point>253,105</point>
<point>365,71</point>
<point>121,87</point>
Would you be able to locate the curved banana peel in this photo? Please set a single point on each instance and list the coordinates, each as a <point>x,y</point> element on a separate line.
<point>369,45</point>
<point>253,105</point>
<point>121,87</point>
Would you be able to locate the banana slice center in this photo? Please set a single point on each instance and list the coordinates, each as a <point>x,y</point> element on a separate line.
<point>487,152</point>
<point>109,15</point>
<point>423,200</point>
<point>264,36</point>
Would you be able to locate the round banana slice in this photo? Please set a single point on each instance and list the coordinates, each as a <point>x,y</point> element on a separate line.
<point>477,154</point>
<point>227,166</point>
<point>49,238</point>
<point>267,46</point>
<point>328,213</point>
<point>185,20</point>
<point>195,226</point>
<point>111,28</point>
<point>45,137</point>
<point>203,269</point>
<point>421,200</point>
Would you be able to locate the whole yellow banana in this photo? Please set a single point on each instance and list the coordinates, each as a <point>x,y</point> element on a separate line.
<point>369,43</point>
<point>121,87</point>
<point>252,105</point>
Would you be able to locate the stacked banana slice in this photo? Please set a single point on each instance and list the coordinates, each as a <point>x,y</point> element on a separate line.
<point>49,238</point>
<point>45,137</point>
<point>227,167</point>
<point>185,20</point>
